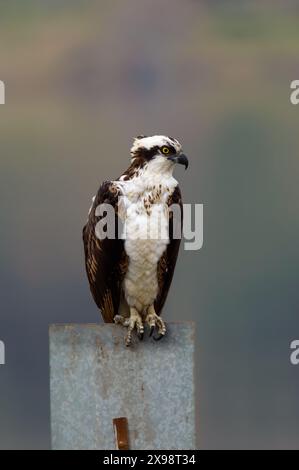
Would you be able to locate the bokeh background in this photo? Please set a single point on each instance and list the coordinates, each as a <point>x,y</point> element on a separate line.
<point>82,78</point>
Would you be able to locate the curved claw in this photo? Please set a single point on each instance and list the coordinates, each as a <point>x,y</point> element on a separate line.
<point>160,336</point>
<point>140,336</point>
<point>151,331</point>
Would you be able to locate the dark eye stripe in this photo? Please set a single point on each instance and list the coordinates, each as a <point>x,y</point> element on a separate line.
<point>148,154</point>
<point>170,148</point>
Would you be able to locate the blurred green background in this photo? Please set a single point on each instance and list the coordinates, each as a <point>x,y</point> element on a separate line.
<point>82,78</point>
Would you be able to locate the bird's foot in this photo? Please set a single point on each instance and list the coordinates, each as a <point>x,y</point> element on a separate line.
<point>153,320</point>
<point>120,320</point>
<point>133,322</point>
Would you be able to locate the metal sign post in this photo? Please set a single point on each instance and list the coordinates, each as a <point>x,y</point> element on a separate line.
<point>95,380</point>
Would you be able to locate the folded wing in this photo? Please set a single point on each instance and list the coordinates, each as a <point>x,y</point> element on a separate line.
<point>105,259</point>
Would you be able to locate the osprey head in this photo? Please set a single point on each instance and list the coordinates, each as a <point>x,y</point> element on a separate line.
<point>158,151</point>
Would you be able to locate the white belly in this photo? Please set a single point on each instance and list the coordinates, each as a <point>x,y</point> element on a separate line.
<point>146,241</point>
<point>144,211</point>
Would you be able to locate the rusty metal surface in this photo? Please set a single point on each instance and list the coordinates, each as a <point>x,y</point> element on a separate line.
<point>95,378</point>
<point>121,432</point>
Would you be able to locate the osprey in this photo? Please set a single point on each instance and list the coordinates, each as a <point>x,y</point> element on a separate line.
<point>130,276</point>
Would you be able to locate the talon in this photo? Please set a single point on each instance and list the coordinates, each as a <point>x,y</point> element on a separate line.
<point>128,339</point>
<point>154,321</point>
<point>134,322</point>
<point>160,336</point>
<point>140,330</point>
<point>120,320</point>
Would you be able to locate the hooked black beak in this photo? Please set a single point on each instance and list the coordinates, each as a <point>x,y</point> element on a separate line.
<point>181,159</point>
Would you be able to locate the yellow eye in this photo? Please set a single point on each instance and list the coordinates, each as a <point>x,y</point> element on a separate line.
<point>165,150</point>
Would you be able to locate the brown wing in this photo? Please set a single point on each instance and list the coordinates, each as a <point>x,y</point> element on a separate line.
<point>168,260</point>
<point>105,259</point>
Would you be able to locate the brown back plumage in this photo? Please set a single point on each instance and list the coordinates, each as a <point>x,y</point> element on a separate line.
<point>106,260</point>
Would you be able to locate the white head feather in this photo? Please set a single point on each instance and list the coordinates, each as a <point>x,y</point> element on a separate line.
<point>154,141</point>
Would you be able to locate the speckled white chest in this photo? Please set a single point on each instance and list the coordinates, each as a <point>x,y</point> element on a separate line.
<point>146,233</point>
